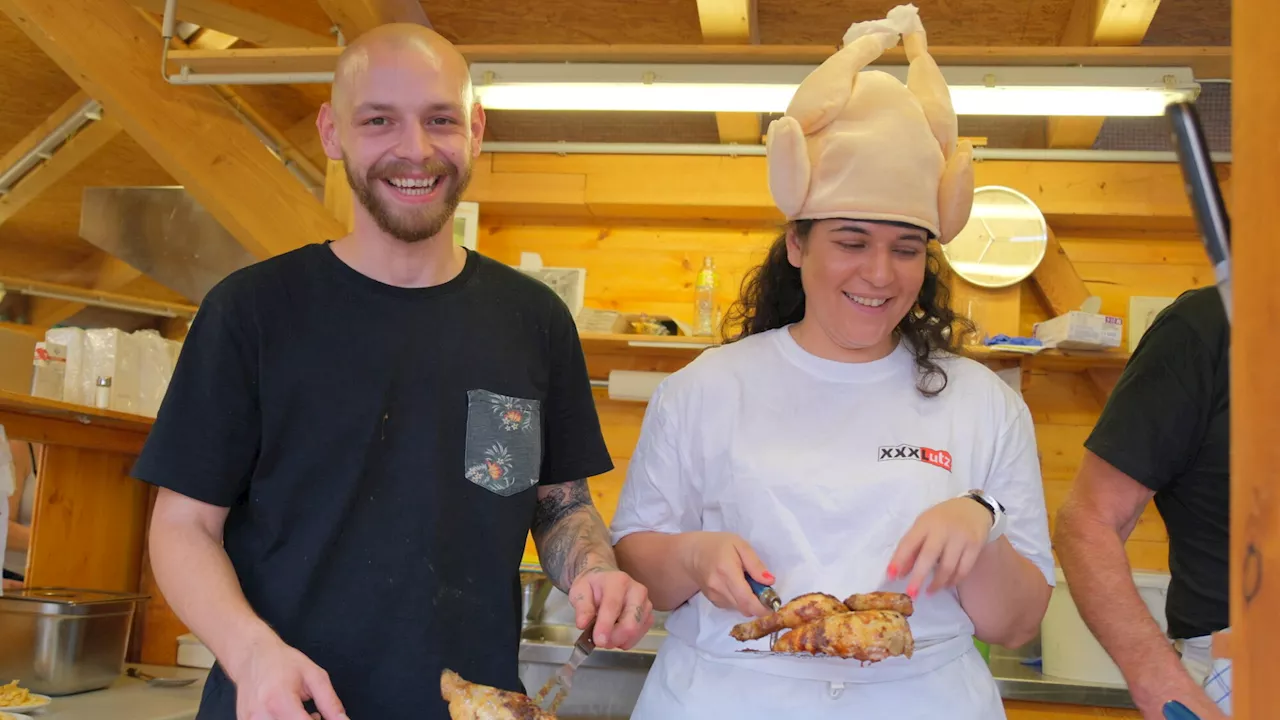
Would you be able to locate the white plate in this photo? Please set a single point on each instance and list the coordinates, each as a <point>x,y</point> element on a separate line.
<point>11,716</point>
<point>37,702</point>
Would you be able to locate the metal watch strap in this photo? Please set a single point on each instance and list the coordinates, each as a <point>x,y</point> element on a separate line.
<point>998,518</point>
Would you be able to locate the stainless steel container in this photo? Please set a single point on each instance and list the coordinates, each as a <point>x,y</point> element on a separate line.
<point>59,641</point>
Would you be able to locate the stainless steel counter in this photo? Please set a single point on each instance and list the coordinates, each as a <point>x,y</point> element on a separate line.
<point>131,699</point>
<point>609,682</point>
<point>1022,682</point>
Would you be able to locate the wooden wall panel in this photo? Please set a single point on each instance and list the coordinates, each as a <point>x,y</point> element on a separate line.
<point>651,268</point>
<point>86,499</point>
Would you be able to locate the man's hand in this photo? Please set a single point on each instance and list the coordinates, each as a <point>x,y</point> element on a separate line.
<point>273,681</point>
<point>11,584</point>
<point>946,540</point>
<point>619,605</point>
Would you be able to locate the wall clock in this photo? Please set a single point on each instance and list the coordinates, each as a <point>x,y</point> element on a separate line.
<point>1003,242</point>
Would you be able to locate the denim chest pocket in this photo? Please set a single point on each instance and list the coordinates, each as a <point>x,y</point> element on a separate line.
<point>504,442</point>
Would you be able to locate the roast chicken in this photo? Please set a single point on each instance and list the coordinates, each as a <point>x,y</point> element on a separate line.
<point>868,627</point>
<point>469,701</point>
<point>799,611</point>
<point>866,635</point>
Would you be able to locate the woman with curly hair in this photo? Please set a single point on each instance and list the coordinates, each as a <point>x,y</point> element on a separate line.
<point>838,443</point>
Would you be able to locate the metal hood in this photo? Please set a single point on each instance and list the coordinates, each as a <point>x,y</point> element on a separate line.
<point>165,234</point>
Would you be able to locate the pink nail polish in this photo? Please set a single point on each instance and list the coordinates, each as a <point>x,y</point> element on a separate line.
<point>893,571</point>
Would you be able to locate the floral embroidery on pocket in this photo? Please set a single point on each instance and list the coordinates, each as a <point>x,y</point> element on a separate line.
<point>516,414</point>
<point>503,451</point>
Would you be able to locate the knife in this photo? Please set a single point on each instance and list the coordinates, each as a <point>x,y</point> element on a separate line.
<point>563,678</point>
<point>766,593</point>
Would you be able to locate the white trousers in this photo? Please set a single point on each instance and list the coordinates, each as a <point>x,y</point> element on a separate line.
<point>682,685</point>
<point>1213,674</point>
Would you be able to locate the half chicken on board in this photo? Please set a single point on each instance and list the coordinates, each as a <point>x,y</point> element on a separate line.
<point>868,627</point>
<point>471,701</point>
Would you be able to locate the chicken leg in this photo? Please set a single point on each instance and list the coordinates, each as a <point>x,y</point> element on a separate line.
<point>897,602</point>
<point>799,611</point>
<point>469,701</point>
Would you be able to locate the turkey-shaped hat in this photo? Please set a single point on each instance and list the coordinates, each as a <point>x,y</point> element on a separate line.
<point>859,144</point>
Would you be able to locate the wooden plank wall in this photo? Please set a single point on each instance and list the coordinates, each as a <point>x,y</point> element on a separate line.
<point>650,267</point>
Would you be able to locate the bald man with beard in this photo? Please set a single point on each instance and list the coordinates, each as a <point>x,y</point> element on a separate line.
<point>361,433</point>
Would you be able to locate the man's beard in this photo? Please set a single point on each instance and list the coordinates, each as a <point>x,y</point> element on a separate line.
<point>412,223</point>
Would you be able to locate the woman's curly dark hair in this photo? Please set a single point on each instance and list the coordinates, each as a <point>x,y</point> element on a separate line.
<point>773,297</point>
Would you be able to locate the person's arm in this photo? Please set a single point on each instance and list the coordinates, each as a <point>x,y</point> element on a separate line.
<point>1007,593</point>
<point>655,513</point>
<point>201,453</point>
<point>569,533</point>
<point>198,580</point>
<point>657,527</point>
<point>572,541</point>
<point>1092,526</point>
<point>654,559</point>
<point>19,535</point>
<point>1004,586</point>
<point>1149,431</point>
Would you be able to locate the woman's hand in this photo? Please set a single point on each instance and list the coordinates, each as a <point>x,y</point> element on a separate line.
<point>717,561</point>
<point>946,540</point>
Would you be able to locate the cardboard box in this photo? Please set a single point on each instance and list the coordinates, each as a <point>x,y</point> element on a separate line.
<point>1079,330</point>
<point>16,350</point>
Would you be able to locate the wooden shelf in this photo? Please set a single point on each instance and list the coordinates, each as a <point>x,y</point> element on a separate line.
<point>674,345</point>
<point>1053,359</point>
<point>666,353</point>
<point>50,421</point>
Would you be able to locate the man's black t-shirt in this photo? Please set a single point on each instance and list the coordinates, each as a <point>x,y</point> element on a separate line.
<point>1166,425</point>
<point>379,449</point>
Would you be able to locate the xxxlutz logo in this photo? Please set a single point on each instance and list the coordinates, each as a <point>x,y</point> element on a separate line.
<point>939,458</point>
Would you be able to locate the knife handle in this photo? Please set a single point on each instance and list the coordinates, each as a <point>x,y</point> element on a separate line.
<point>586,641</point>
<point>768,597</point>
<point>1174,710</point>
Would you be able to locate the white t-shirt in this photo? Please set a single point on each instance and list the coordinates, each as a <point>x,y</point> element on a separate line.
<point>822,467</point>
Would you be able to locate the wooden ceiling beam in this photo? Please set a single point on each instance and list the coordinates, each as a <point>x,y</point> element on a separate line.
<point>1205,62</point>
<point>66,157</point>
<point>722,188</point>
<point>283,145</point>
<point>732,22</point>
<point>356,17</point>
<point>111,51</point>
<point>1059,286</point>
<point>238,22</point>
<point>1098,23</point>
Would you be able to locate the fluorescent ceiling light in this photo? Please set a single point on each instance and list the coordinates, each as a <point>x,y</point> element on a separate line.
<point>1042,91</point>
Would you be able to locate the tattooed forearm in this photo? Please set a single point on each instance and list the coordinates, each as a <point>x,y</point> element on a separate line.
<point>570,536</point>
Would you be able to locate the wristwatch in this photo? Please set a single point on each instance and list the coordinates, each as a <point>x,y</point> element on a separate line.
<point>998,517</point>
